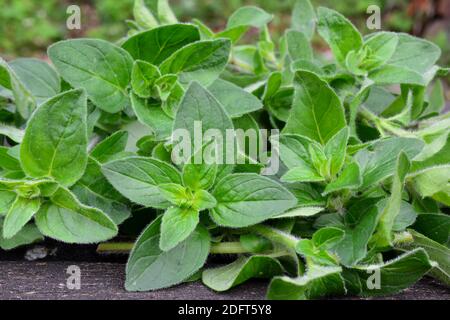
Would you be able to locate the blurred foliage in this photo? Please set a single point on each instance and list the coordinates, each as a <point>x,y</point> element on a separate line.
<point>28,26</point>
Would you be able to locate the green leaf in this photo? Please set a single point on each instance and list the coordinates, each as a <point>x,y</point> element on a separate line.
<point>315,250</point>
<point>280,103</point>
<point>153,116</point>
<point>432,180</point>
<point>317,112</point>
<point>29,188</point>
<point>443,196</point>
<point>203,200</point>
<point>19,214</point>
<point>437,99</point>
<point>27,235</point>
<point>317,282</point>
<point>176,225</point>
<point>149,268</point>
<point>65,219</point>
<point>174,193</point>
<point>336,150</point>
<point>353,248</point>
<point>137,178</point>
<point>379,164</point>
<point>319,160</point>
<point>8,162</point>
<point>412,266</point>
<point>38,77</point>
<point>350,178</point>
<point>433,154</point>
<point>199,176</point>
<point>298,46</point>
<point>306,65</point>
<point>273,85</point>
<point>391,74</point>
<point>95,191</point>
<point>327,237</point>
<point>150,13</point>
<point>340,34</point>
<point>383,235</point>
<point>111,146</point>
<point>234,34</point>
<point>405,218</point>
<point>293,150</point>
<point>249,16</point>
<point>23,98</point>
<point>235,100</point>
<point>200,108</point>
<point>354,62</point>
<point>156,45</point>
<point>143,15</point>
<point>166,85</point>
<point>314,255</point>
<point>248,199</point>
<point>304,18</point>
<point>13,133</point>
<point>241,270</point>
<point>435,226</point>
<point>93,118</point>
<point>382,46</point>
<point>97,66</point>
<point>250,138</point>
<point>5,79</point>
<point>143,78</point>
<point>160,152</point>
<point>55,140</point>
<point>7,198</point>
<point>415,54</point>
<point>438,253</point>
<point>300,212</point>
<point>202,61</point>
<point>165,13</point>
<point>302,174</point>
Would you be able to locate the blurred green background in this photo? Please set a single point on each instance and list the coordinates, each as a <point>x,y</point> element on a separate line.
<point>27,27</point>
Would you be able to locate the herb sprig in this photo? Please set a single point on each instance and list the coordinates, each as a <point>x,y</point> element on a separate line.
<point>363,142</point>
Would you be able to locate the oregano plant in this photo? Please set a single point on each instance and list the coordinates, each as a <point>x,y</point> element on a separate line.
<point>319,174</point>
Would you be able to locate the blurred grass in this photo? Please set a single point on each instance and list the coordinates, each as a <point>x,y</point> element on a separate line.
<point>27,27</point>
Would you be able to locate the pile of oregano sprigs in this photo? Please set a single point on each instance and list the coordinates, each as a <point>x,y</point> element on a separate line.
<point>359,205</point>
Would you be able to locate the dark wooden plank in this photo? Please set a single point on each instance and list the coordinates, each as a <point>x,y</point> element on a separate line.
<point>47,280</point>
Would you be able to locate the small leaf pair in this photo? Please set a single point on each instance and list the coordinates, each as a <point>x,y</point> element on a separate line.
<point>308,161</point>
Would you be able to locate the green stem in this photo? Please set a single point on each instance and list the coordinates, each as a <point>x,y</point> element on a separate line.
<point>115,247</point>
<point>227,248</point>
<point>276,235</point>
<point>383,124</point>
<point>279,254</point>
<point>397,131</point>
<point>240,66</point>
<point>126,247</point>
<point>380,128</point>
<point>368,115</point>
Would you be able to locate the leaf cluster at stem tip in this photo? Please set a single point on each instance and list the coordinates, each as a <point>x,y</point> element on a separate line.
<point>353,176</point>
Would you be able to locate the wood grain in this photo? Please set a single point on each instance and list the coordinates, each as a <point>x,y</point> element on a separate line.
<point>47,281</point>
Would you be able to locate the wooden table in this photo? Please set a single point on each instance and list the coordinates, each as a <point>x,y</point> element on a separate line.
<point>48,280</point>
<point>102,277</point>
